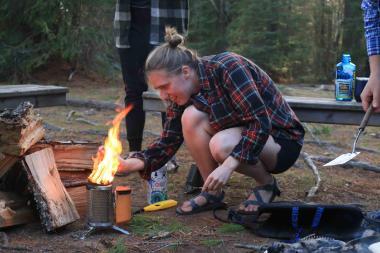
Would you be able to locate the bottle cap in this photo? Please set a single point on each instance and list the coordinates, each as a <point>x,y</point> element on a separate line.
<point>346,58</point>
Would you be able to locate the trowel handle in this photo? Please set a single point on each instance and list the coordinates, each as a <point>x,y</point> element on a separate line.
<point>367,115</point>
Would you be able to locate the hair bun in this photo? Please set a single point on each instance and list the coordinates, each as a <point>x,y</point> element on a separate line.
<point>172,37</point>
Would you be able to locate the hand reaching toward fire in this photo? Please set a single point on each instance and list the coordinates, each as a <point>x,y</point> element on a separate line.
<point>126,166</point>
<point>130,165</point>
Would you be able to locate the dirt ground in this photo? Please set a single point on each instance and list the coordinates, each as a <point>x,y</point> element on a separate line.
<point>164,231</point>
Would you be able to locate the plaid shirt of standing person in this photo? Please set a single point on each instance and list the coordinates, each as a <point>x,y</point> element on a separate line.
<point>234,92</point>
<point>372,26</point>
<point>163,12</point>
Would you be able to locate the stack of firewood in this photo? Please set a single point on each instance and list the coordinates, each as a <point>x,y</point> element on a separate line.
<point>38,178</point>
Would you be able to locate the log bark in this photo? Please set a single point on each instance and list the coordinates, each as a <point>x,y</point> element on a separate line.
<point>19,129</point>
<point>55,205</point>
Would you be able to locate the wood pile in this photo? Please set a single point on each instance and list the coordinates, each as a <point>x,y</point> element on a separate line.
<point>38,178</point>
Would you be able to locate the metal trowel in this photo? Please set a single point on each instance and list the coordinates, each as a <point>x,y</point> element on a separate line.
<point>342,159</point>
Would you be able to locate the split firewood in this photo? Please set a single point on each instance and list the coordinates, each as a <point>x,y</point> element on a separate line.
<point>55,205</point>
<point>19,129</point>
<point>70,155</point>
<point>349,164</point>
<point>6,163</point>
<point>78,194</point>
<point>314,169</point>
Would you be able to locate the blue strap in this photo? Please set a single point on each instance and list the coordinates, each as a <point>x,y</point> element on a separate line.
<point>295,214</point>
<point>295,211</point>
<point>317,217</point>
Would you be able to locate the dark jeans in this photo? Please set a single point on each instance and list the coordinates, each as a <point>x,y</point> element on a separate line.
<point>132,64</point>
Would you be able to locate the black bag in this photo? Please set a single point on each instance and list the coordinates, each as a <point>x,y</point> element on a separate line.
<point>294,220</point>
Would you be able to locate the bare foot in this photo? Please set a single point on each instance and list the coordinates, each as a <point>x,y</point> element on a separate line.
<point>261,194</point>
<point>199,200</point>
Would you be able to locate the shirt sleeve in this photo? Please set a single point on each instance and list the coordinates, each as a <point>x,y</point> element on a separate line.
<point>163,148</point>
<point>251,110</point>
<point>371,26</point>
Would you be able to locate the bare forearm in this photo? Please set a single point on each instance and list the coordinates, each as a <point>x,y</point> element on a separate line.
<point>374,63</point>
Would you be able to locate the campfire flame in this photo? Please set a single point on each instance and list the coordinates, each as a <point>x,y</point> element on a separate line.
<point>107,162</point>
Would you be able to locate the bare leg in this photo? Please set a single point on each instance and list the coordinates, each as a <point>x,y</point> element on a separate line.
<point>210,149</point>
<point>197,133</point>
<point>221,146</point>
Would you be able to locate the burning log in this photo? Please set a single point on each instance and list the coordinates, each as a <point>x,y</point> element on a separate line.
<point>19,129</point>
<point>56,207</point>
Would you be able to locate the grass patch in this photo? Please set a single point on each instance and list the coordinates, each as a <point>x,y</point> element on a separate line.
<point>230,228</point>
<point>118,248</point>
<point>322,130</point>
<point>148,225</point>
<point>211,242</point>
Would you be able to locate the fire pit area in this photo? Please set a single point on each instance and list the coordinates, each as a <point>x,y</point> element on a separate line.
<point>62,180</point>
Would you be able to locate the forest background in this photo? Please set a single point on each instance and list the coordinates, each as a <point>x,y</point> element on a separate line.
<point>295,41</point>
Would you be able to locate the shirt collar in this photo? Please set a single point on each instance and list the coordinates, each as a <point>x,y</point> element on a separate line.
<point>203,80</point>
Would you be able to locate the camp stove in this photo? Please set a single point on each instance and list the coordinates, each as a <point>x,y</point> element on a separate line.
<point>100,209</point>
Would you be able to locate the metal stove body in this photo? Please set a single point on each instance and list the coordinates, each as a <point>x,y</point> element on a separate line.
<point>100,209</point>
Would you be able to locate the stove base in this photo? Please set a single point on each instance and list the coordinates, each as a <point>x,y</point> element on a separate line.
<point>92,230</point>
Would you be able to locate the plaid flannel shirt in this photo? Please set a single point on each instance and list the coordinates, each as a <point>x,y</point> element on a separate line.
<point>372,26</point>
<point>234,92</point>
<point>163,12</point>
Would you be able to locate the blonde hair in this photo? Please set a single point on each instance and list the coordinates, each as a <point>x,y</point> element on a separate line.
<point>171,55</point>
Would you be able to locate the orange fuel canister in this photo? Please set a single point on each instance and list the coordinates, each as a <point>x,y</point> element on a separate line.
<point>123,210</point>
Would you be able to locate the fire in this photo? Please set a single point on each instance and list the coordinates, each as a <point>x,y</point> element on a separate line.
<point>106,163</point>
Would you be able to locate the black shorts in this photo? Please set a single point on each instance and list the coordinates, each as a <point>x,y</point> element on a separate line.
<point>287,156</point>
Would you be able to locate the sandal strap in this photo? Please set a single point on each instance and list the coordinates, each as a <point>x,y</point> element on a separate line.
<point>212,198</point>
<point>273,187</point>
<point>193,204</point>
<point>246,203</point>
<point>209,199</point>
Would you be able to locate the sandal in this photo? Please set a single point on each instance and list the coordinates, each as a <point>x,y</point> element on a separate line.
<point>272,187</point>
<point>212,202</point>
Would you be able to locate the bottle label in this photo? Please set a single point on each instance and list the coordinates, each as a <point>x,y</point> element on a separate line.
<point>343,89</point>
<point>157,186</point>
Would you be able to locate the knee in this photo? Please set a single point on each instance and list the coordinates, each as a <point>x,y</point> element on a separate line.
<point>191,120</point>
<point>220,148</point>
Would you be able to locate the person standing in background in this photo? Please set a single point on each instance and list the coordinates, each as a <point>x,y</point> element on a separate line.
<point>371,93</point>
<point>140,27</point>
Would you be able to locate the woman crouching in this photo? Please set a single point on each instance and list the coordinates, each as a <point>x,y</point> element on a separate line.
<point>230,115</point>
